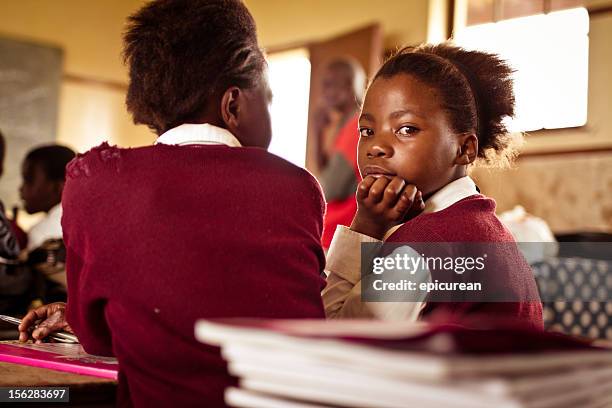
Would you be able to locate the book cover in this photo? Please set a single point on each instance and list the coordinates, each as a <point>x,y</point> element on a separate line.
<point>59,356</point>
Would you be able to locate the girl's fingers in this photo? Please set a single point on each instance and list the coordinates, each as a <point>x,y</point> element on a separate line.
<point>410,193</point>
<point>406,200</point>
<point>364,187</point>
<point>420,203</point>
<point>393,192</point>
<point>377,190</point>
<point>417,206</point>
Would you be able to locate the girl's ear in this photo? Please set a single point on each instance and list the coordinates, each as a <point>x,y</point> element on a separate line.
<point>230,108</point>
<point>468,149</point>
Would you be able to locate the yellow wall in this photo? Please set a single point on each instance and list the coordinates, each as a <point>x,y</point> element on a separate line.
<point>90,115</point>
<point>281,22</point>
<point>89,32</point>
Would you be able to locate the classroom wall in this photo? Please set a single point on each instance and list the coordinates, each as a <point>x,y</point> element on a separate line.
<point>92,92</point>
<point>283,22</point>
<point>571,192</point>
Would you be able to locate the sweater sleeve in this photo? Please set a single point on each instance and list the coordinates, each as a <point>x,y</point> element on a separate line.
<point>342,296</point>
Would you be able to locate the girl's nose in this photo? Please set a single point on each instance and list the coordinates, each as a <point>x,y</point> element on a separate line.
<point>378,150</point>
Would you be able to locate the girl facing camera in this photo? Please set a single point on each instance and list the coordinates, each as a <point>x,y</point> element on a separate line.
<point>429,114</point>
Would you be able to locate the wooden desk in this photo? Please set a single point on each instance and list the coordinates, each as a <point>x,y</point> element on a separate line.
<point>85,390</point>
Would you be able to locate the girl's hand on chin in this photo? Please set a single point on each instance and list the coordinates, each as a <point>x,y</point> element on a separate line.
<point>384,202</point>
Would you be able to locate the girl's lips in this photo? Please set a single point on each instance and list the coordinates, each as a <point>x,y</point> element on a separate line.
<point>377,172</point>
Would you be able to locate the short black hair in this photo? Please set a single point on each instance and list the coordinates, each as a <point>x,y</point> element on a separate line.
<point>475,88</point>
<point>52,159</point>
<point>182,52</point>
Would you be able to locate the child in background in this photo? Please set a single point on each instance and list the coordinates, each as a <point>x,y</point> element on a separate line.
<point>44,175</point>
<point>430,113</point>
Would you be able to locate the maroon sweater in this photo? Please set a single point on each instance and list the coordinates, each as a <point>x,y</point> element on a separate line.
<point>507,275</point>
<point>160,236</point>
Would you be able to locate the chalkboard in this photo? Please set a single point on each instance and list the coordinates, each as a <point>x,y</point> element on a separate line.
<point>30,76</point>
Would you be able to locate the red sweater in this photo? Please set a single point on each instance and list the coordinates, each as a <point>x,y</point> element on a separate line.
<point>507,273</point>
<point>160,236</point>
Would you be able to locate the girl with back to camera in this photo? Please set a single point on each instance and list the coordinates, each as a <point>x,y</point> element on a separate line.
<point>429,114</point>
<point>160,236</point>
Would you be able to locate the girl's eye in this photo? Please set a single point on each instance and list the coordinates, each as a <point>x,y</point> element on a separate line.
<point>365,132</point>
<point>407,130</point>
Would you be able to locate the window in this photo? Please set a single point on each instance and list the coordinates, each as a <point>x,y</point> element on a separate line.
<point>550,55</point>
<point>289,74</point>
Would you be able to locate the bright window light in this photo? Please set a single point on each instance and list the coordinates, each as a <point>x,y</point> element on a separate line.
<point>289,74</point>
<point>550,54</point>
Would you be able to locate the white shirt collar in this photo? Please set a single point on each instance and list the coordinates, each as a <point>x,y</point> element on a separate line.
<point>198,134</point>
<point>50,227</point>
<point>445,197</point>
<point>451,193</point>
<point>56,211</point>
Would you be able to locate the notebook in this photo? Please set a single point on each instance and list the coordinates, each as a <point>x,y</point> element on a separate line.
<point>59,356</point>
<point>368,364</point>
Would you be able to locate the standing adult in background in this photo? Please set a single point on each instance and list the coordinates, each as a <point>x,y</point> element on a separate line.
<point>204,224</point>
<point>44,174</point>
<point>337,131</point>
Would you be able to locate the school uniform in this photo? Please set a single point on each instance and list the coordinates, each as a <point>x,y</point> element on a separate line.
<point>193,227</point>
<point>457,213</point>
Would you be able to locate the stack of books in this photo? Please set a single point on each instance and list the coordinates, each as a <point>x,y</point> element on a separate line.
<point>353,363</point>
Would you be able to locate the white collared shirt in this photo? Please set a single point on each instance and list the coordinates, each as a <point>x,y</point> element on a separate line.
<point>50,227</point>
<point>198,134</point>
<point>342,295</point>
